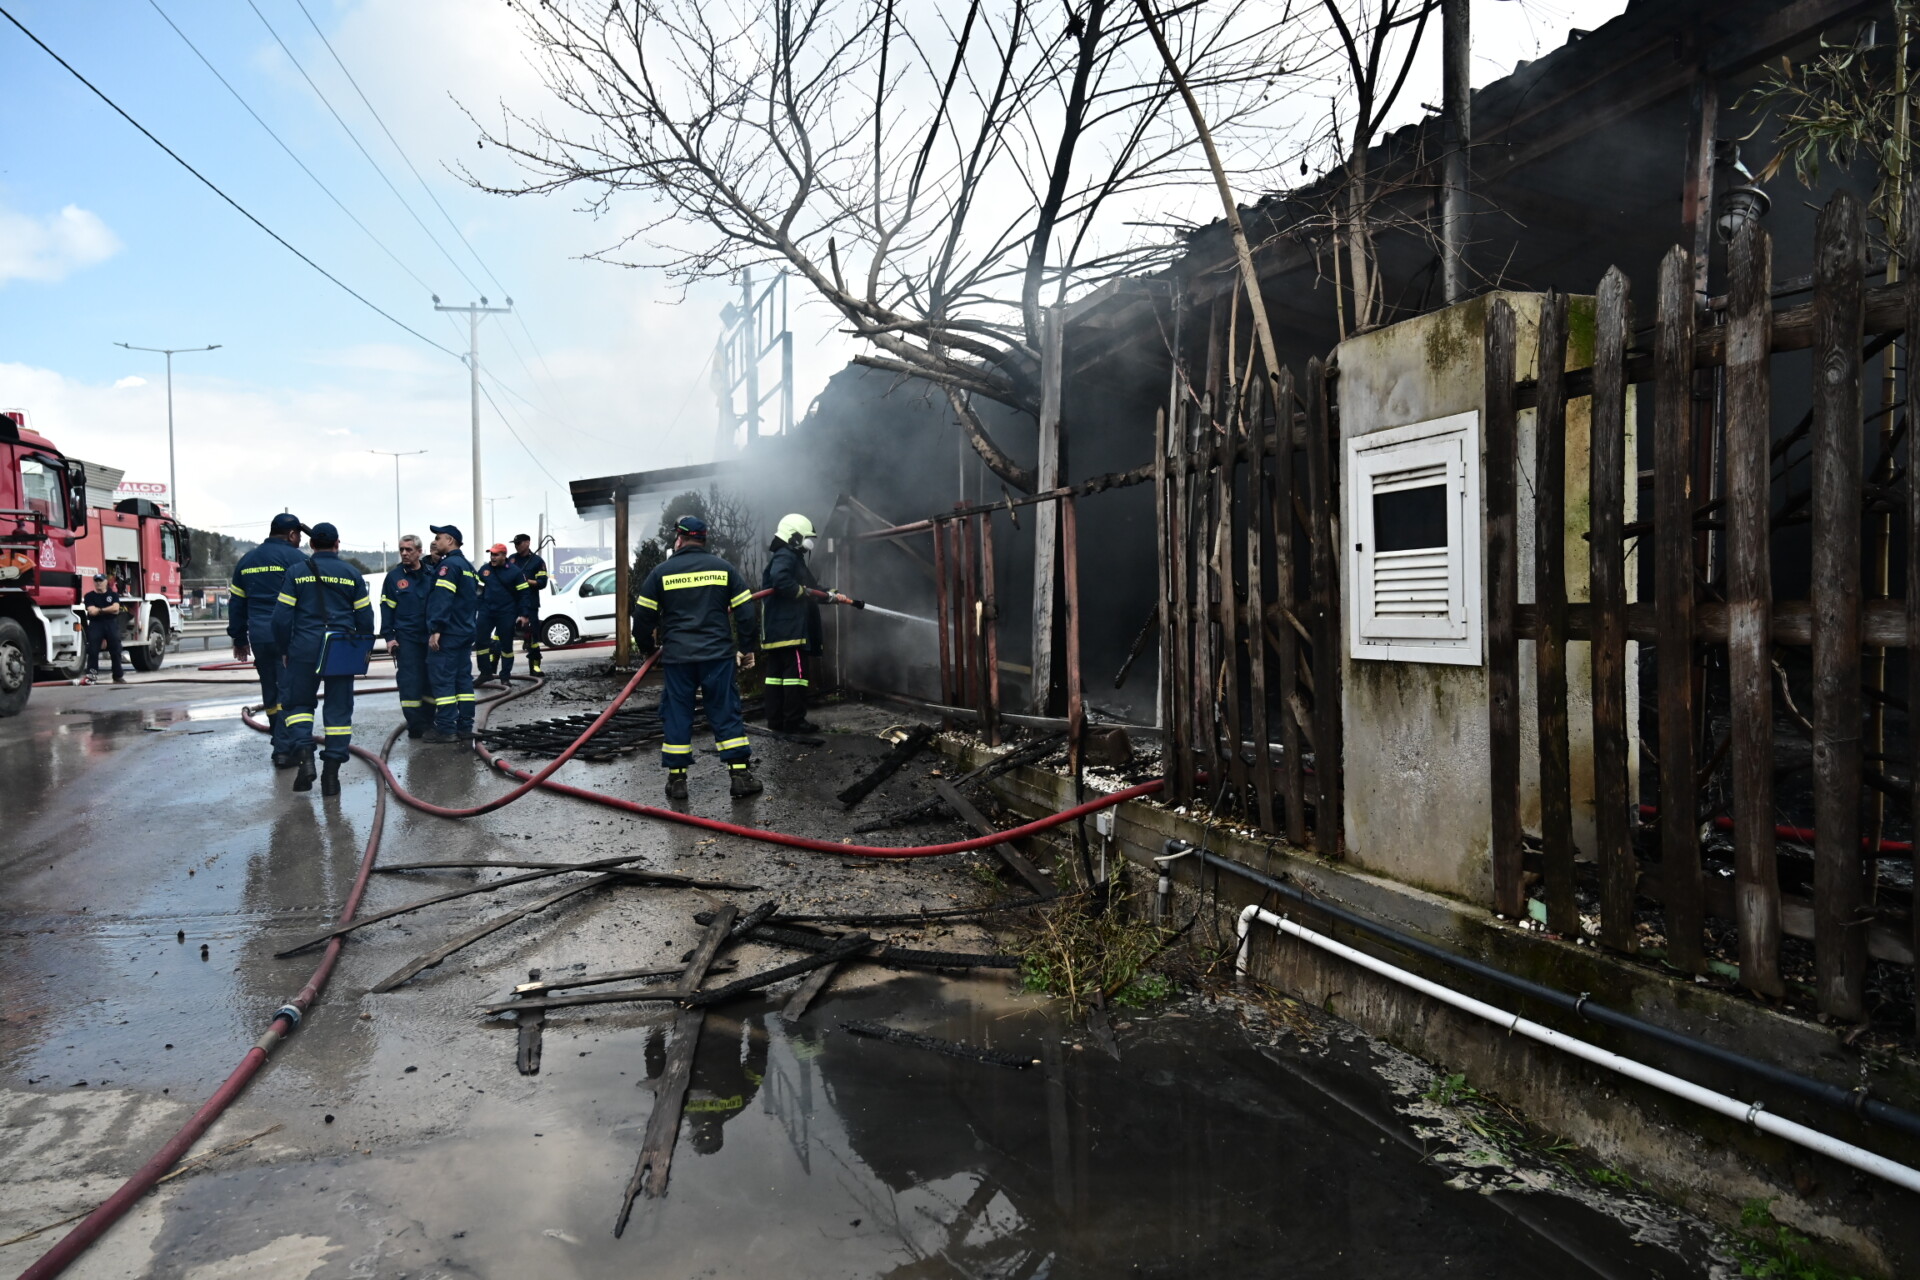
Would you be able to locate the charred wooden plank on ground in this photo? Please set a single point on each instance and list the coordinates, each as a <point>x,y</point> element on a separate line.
<point>624,995</point>
<point>670,1097</point>
<point>902,751</point>
<point>1016,862</point>
<point>844,949</point>
<point>809,991</point>
<point>467,939</point>
<point>531,1027</point>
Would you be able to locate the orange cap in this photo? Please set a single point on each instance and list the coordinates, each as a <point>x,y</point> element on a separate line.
<point>500,547</point>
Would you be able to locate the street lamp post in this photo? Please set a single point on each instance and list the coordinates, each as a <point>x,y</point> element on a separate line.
<point>173,479</point>
<point>398,530</point>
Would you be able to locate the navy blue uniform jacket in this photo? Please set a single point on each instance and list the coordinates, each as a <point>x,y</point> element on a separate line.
<point>257,582</point>
<point>323,593</point>
<point>403,602</point>
<point>453,604</point>
<point>701,605</point>
<point>790,617</point>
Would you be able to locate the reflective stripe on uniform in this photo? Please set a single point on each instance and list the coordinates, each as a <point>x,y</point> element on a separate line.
<point>302,717</point>
<point>273,710</point>
<point>463,697</point>
<point>705,578</point>
<point>234,590</point>
<point>645,603</point>
<point>388,601</point>
<point>676,751</point>
<point>287,599</point>
<point>335,733</point>
<point>415,702</point>
<point>780,644</point>
<point>363,602</point>
<point>740,599</point>
<point>730,744</point>
<point>448,585</point>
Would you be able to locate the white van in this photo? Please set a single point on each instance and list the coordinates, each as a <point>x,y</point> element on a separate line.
<point>585,610</point>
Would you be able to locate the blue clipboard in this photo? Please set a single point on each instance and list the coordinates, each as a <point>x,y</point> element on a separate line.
<point>344,655</point>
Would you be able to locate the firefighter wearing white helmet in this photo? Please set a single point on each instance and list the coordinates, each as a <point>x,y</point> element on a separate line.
<point>790,625</point>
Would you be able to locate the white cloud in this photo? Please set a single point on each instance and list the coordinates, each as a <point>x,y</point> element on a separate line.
<point>132,380</point>
<point>46,249</point>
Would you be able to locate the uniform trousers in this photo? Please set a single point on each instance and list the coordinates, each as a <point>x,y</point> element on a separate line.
<point>450,677</point>
<point>332,696</point>
<point>270,665</point>
<point>714,681</point>
<point>410,673</point>
<point>494,644</point>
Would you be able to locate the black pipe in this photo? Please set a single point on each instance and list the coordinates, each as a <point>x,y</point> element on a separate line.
<point>1856,1101</point>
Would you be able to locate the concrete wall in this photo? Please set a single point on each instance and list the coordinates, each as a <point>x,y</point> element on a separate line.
<point>1418,807</point>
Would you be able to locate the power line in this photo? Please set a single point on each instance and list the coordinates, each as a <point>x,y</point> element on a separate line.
<point>284,147</point>
<point>522,443</point>
<point>209,184</point>
<point>362,147</point>
<point>402,153</point>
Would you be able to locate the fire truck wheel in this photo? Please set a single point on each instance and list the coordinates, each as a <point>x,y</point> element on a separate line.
<point>150,655</point>
<point>74,667</point>
<point>16,667</point>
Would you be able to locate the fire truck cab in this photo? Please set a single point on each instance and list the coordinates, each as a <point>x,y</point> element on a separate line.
<point>53,538</point>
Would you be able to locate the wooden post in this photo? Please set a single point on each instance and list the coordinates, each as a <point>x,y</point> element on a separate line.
<point>1178,747</point>
<point>1550,602</point>
<point>1046,527</point>
<point>1206,739</point>
<point>1163,549</point>
<point>1503,597</point>
<point>990,639</point>
<point>1329,835</point>
<point>622,584</point>
<point>941,613</point>
<point>1910,352</point>
<point>1286,645</point>
<point>1607,589</point>
<point>1234,766</point>
<point>968,634</point>
<point>1673,607</point>
<point>1749,605</point>
<point>1696,189</point>
<point>1259,444</point>
<point>1840,938</point>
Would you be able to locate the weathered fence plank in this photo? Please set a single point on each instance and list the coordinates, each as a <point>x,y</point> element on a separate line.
<point>1257,503</point>
<point>1911,287</point>
<point>1286,645</point>
<point>1225,488</point>
<point>1674,590</point>
<point>1550,598</point>
<point>990,629</point>
<point>1179,679</point>
<point>1503,591</point>
<point>1205,651</point>
<point>941,613</point>
<point>1749,604</point>
<point>1328,823</point>
<point>1840,953</point>
<point>1607,591</point>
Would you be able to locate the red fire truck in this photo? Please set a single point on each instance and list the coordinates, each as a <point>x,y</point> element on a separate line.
<point>52,542</point>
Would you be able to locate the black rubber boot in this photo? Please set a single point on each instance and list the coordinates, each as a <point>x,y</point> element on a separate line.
<point>329,777</point>
<point>281,760</point>
<point>676,784</point>
<point>303,780</point>
<point>438,736</point>
<point>741,781</point>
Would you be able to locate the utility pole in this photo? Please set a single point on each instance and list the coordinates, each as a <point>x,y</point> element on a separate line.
<point>492,530</point>
<point>399,530</point>
<point>474,312</point>
<point>1456,71</point>
<point>173,479</point>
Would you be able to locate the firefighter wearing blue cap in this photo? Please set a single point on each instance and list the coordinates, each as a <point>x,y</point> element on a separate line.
<point>503,607</point>
<point>253,592</point>
<point>403,625</point>
<point>452,611</point>
<point>703,611</point>
<point>322,600</point>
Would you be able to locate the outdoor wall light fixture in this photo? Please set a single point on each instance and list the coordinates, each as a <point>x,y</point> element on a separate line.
<point>1739,206</point>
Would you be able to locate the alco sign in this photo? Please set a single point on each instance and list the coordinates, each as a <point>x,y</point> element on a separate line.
<point>152,490</point>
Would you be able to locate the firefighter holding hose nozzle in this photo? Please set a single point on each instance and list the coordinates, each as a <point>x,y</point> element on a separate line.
<point>790,624</point>
<point>704,613</point>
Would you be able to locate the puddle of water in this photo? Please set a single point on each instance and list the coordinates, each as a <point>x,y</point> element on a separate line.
<point>807,1152</point>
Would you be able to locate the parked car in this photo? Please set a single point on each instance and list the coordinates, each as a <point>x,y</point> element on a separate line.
<point>584,610</point>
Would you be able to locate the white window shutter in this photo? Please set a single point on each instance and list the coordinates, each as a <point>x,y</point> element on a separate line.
<point>1413,513</point>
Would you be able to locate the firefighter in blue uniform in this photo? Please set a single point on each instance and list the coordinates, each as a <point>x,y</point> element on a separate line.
<point>529,563</point>
<point>252,596</point>
<point>322,596</point>
<point>704,613</point>
<point>403,625</point>
<point>452,611</point>
<point>503,595</point>
<point>790,625</point>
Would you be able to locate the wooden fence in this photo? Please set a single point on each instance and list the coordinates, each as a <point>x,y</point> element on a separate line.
<point>1715,464</point>
<point>1249,614</point>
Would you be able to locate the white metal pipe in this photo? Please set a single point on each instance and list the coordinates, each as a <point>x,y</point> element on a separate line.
<point>1752,1113</point>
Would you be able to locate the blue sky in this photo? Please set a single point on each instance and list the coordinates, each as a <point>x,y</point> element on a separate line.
<point>104,239</point>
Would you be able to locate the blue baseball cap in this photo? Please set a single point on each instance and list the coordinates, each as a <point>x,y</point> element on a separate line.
<point>692,527</point>
<point>286,522</point>
<point>451,530</point>
<point>325,532</point>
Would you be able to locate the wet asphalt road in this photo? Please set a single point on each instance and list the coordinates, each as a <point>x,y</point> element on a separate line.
<point>407,1144</point>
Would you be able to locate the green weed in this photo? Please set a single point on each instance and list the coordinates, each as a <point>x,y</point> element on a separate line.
<point>1768,1249</point>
